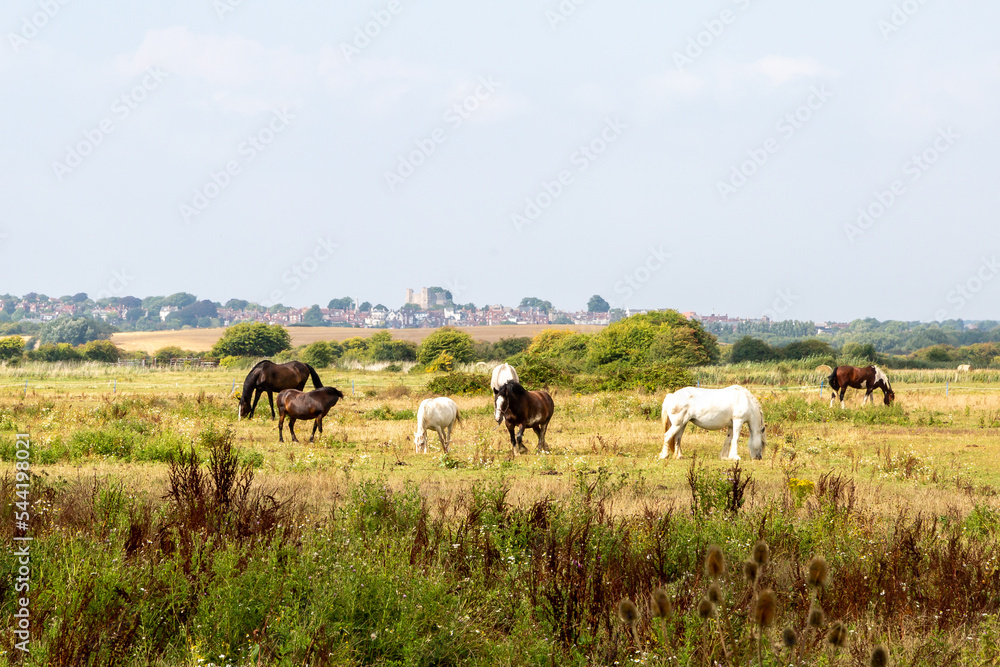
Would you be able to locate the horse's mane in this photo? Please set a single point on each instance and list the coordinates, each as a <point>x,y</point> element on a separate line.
<point>879,375</point>
<point>259,364</point>
<point>514,388</point>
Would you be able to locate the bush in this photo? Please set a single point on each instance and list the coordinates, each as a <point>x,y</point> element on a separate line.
<point>752,349</point>
<point>460,384</point>
<point>456,343</point>
<point>101,350</point>
<point>321,354</point>
<point>652,378</point>
<point>11,348</point>
<point>631,341</point>
<point>55,352</point>
<point>252,339</point>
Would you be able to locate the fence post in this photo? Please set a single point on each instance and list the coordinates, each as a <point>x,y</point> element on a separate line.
<point>946,387</point>
<point>26,389</point>
<point>352,387</point>
<point>115,390</point>
<point>821,388</point>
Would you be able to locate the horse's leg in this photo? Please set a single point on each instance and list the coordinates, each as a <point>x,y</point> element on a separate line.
<point>291,427</point>
<point>737,425</point>
<point>521,449</point>
<point>256,398</point>
<point>727,443</point>
<point>281,424</point>
<point>440,432</point>
<point>843,391</point>
<point>513,440</point>
<point>540,434</point>
<point>270,399</point>
<point>672,441</point>
<point>312,437</point>
<point>447,443</point>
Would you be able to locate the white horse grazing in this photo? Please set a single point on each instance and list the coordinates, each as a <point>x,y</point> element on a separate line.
<point>713,409</point>
<point>440,414</point>
<point>503,374</point>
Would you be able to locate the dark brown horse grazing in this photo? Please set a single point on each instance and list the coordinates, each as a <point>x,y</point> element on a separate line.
<point>871,377</point>
<point>305,405</point>
<point>519,407</point>
<point>269,377</point>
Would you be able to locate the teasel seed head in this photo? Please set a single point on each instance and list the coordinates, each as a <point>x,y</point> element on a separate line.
<point>816,617</point>
<point>764,609</point>
<point>761,553</point>
<point>661,605</point>
<point>715,563</point>
<point>750,571</point>
<point>706,609</point>
<point>715,594</point>
<point>818,572</point>
<point>880,657</point>
<point>789,637</point>
<point>838,635</point>
<point>628,612</point>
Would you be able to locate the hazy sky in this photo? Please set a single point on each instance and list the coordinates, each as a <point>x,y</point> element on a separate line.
<point>804,160</point>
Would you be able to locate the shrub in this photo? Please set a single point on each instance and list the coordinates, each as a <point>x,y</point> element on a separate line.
<point>321,353</point>
<point>652,378</point>
<point>460,384</point>
<point>456,343</point>
<point>100,350</point>
<point>11,348</point>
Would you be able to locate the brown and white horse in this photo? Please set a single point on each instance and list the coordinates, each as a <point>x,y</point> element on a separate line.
<point>518,407</point>
<point>871,378</point>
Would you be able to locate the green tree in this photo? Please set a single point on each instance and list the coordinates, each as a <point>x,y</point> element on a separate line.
<point>597,304</point>
<point>534,302</point>
<point>802,349</point>
<point>456,343</point>
<point>11,348</point>
<point>237,304</point>
<point>75,330</point>
<point>252,339</point>
<point>54,352</point>
<point>342,303</point>
<point>749,348</point>
<point>365,307</point>
<point>314,317</point>
<point>165,354</point>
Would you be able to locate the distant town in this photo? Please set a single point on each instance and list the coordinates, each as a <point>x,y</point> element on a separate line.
<point>429,307</point>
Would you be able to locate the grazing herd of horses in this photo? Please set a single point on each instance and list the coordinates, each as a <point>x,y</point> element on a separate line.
<point>518,408</point>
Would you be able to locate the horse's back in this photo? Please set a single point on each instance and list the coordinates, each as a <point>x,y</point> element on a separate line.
<point>440,411</point>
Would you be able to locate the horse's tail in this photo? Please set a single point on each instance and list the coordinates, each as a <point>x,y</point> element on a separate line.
<point>317,383</point>
<point>458,417</point>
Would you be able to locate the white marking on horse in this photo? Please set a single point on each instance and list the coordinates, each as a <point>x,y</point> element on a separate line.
<point>440,414</point>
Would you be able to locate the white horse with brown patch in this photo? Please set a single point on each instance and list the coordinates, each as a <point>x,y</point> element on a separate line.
<point>440,414</point>
<point>714,410</point>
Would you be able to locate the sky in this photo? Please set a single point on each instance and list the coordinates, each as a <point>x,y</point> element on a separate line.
<point>813,161</point>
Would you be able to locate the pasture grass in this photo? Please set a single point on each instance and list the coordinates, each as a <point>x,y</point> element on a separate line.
<point>383,556</point>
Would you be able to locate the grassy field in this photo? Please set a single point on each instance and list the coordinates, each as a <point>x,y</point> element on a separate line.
<point>202,340</point>
<point>368,553</point>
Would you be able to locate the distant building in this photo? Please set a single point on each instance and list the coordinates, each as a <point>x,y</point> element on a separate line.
<point>426,299</point>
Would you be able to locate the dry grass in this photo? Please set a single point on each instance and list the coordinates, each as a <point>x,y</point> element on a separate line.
<point>202,340</point>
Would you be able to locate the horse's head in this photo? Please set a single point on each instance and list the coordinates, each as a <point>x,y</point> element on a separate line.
<point>763,441</point>
<point>499,406</point>
<point>888,396</point>
<point>244,406</point>
<point>420,440</point>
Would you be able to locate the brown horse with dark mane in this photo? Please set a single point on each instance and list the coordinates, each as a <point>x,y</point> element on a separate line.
<point>269,377</point>
<point>518,407</point>
<point>305,405</point>
<point>871,378</point>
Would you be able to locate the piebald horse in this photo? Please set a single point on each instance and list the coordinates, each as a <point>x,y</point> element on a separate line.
<point>714,410</point>
<point>518,407</point>
<point>871,377</point>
